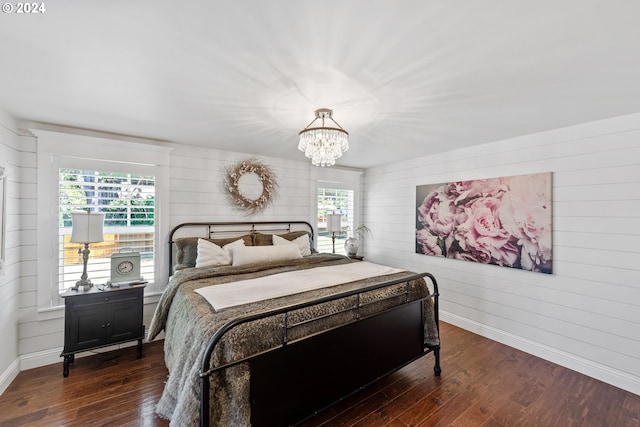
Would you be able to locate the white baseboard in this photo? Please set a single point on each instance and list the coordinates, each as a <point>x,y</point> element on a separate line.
<point>606,374</point>
<point>9,375</point>
<point>41,358</point>
<point>44,358</point>
<point>50,357</point>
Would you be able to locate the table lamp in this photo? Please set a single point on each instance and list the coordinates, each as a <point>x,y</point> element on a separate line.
<point>334,225</point>
<point>86,227</point>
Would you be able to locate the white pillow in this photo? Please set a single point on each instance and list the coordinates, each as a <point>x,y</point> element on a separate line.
<point>211,254</point>
<point>302,242</point>
<point>250,254</point>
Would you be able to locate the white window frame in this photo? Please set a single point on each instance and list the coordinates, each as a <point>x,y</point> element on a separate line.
<point>342,179</point>
<point>64,150</point>
<point>339,247</point>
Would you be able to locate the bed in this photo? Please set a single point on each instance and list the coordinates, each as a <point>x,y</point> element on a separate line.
<point>262,330</point>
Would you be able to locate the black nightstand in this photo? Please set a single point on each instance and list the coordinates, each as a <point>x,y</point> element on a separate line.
<point>96,318</point>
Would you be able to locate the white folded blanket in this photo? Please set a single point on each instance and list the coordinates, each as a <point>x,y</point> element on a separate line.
<point>292,282</point>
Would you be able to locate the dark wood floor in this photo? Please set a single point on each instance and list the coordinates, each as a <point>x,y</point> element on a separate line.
<point>483,383</point>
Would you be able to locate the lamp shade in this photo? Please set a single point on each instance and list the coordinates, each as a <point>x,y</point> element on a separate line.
<point>87,227</point>
<point>334,223</point>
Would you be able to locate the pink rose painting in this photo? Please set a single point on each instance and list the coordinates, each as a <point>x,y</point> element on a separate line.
<point>503,221</point>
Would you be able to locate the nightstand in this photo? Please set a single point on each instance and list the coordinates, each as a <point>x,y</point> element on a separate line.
<point>356,257</point>
<point>99,318</point>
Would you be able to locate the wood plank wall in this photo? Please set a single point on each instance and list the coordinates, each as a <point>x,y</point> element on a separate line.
<point>586,315</point>
<point>196,178</point>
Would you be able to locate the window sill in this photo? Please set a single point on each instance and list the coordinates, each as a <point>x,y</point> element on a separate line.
<point>51,313</point>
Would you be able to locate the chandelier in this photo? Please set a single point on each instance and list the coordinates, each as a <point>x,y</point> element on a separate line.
<point>323,145</point>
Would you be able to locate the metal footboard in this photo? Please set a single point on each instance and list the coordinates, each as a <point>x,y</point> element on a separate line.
<point>207,369</point>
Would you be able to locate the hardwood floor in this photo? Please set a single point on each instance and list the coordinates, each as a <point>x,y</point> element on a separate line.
<point>483,383</point>
<point>108,389</point>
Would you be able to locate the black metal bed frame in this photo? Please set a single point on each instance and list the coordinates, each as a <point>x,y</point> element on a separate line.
<point>344,359</point>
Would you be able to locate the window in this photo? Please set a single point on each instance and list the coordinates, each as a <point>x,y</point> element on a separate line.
<point>334,201</point>
<point>127,180</point>
<point>128,202</point>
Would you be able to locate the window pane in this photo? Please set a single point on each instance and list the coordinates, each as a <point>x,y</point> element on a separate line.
<point>334,201</point>
<point>128,202</point>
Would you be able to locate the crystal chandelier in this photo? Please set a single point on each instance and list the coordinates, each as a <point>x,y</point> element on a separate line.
<point>323,145</point>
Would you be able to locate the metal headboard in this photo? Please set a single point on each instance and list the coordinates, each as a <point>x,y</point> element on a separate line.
<point>232,229</point>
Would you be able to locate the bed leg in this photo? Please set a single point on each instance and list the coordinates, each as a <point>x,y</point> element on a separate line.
<point>204,401</point>
<point>436,368</point>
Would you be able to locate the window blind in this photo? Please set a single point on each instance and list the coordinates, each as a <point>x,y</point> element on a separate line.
<point>128,202</point>
<point>334,201</point>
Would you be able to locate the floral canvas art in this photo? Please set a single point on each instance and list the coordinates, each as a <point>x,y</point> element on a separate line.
<point>502,221</point>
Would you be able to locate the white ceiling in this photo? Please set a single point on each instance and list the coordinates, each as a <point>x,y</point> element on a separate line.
<point>406,78</point>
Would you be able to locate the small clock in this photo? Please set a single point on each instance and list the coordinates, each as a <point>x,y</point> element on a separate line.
<point>125,267</point>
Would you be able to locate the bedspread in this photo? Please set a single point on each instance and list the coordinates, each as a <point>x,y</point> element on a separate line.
<point>189,322</point>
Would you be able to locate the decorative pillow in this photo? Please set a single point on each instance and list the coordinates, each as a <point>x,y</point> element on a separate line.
<point>211,254</point>
<point>251,254</point>
<point>260,239</point>
<point>187,249</point>
<point>302,242</point>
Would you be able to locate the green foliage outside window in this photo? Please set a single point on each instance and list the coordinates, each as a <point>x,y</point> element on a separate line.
<point>126,199</point>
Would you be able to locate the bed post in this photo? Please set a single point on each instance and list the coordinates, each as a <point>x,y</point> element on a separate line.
<point>436,314</point>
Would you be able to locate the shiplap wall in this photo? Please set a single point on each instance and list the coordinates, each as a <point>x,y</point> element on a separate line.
<point>586,315</point>
<point>197,193</point>
<point>10,159</point>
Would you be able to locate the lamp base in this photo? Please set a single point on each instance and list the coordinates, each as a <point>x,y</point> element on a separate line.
<point>85,283</point>
<point>84,279</point>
